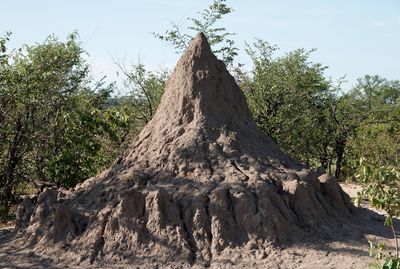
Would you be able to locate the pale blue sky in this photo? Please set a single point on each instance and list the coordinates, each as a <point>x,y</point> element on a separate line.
<point>354,37</point>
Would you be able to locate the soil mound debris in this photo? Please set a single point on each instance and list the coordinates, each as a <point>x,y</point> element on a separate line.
<point>200,183</point>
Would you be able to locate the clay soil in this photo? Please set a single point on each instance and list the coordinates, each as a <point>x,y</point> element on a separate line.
<point>346,248</point>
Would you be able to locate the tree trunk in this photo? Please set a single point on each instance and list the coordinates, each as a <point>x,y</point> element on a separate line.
<point>7,177</point>
<point>324,157</point>
<point>340,146</point>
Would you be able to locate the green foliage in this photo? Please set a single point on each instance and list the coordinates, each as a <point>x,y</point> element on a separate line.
<point>368,121</point>
<point>290,100</point>
<point>314,121</point>
<point>86,128</point>
<point>382,261</point>
<point>381,185</point>
<point>144,90</point>
<point>220,40</point>
<point>379,143</point>
<point>53,123</point>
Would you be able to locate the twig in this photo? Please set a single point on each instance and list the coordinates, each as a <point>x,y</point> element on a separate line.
<point>395,240</point>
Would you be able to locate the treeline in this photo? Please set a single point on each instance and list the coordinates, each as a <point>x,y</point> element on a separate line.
<point>59,127</point>
<point>318,123</point>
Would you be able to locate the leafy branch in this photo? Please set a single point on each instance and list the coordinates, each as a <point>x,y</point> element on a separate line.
<point>220,40</point>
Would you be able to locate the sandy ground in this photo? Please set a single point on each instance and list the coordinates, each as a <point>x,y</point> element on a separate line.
<point>347,249</point>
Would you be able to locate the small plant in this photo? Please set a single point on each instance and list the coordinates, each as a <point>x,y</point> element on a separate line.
<point>382,261</point>
<point>381,185</point>
<point>220,40</point>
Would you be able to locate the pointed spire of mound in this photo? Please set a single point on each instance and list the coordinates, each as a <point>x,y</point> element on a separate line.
<point>201,89</point>
<point>199,47</point>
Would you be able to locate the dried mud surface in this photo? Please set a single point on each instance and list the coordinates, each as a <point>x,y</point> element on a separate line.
<point>345,247</point>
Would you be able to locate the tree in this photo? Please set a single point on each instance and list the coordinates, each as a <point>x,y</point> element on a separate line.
<point>290,100</point>
<point>367,112</point>
<point>145,89</point>
<point>53,122</point>
<point>219,39</point>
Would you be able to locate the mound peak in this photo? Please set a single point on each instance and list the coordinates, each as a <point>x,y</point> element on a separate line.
<point>202,91</point>
<point>199,184</point>
<point>203,129</point>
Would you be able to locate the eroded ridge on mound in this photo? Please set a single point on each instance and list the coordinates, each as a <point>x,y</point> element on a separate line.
<point>200,183</point>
